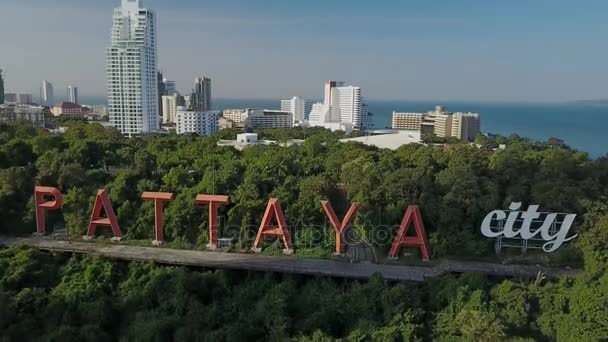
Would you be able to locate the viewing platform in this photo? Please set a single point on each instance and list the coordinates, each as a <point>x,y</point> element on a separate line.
<point>283,264</point>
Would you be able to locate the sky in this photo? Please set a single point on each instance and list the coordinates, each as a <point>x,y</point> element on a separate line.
<point>464,50</point>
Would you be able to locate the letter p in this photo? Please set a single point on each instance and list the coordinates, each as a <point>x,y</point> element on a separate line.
<point>41,204</point>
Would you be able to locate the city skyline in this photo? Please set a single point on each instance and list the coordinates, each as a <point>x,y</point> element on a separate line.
<point>473,50</point>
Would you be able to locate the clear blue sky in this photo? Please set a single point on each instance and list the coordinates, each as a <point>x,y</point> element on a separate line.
<point>486,50</point>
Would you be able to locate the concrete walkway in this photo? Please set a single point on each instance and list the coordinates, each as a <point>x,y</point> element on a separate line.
<point>281,264</point>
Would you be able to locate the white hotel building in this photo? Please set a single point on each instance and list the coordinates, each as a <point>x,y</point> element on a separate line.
<point>296,106</point>
<point>131,70</point>
<point>201,123</point>
<point>342,108</point>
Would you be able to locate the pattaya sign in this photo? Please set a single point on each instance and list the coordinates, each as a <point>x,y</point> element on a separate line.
<point>49,198</point>
<point>551,228</point>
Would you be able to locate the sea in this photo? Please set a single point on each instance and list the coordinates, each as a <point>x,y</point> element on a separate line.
<point>581,125</point>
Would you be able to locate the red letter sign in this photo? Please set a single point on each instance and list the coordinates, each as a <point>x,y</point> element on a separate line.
<point>103,201</point>
<point>273,209</point>
<point>41,205</point>
<point>158,198</point>
<point>340,227</point>
<point>214,201</point>
<point>412,215</point>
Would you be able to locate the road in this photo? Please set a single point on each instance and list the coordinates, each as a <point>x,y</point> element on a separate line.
<point>283,264</point>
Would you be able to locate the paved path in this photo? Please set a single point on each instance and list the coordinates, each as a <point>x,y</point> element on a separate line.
<point>281,264</point>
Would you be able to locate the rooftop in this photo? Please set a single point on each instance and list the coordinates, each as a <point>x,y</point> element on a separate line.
<point>390,141</point>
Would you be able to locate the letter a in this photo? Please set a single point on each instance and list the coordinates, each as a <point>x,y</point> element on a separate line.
<point>41,205</point>
<point>158,198</point>
<point>102,201</point>
<point>273,209</point>
<point>412,215</point>
<point>340,227</point>
<point>214,201</point>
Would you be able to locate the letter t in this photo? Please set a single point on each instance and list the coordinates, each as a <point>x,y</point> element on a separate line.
<point>158,198</point>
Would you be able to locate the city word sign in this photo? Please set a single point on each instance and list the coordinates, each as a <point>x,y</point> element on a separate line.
<point>528,225</point>
<point>279,231</point>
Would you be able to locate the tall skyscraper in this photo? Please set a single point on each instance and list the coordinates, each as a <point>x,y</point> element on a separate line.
<point>1,88</point>
<point>296,106</point>
<point>161,92</point>
<point>342,105</point>
<point>73,94</point>
<point>169,87</point>
<point>132,70</point>
<point>201,95</point>
<point>46,94</point>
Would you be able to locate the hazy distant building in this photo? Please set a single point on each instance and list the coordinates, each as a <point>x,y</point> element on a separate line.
<point>10,98</point>
<point>180,100</point>
<point>132,70</point>
<point>201,123</point>
<point>25,99</point>
<point>187,101</point>
<point>342,104</point>
<point>66,108</point>
<point>73,94</point>
<point>1,88</point>
<point>46,94</point>
<point>440,122</point>
<point>296,106</point>
<point>169,109</point>
<point>201,95</point>
<point>169,87</point>
<point>11,114</point>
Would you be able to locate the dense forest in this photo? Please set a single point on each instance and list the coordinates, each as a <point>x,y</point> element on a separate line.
<point>57,298</point>
<point>455,187</point>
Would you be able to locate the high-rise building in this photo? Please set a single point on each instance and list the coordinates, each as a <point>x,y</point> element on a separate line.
<point>342,105</point>
<point>73,94</point>
<point>201,123</point>
<point>25,99</point>
<point>132,70</point>
<point>201,95</point>
<point>46,94</point>
<point>440,122</point>
<point>169,108</point>
<point>180,100</point>
<point>1,88</point>
<point>169,87</point>
<point>296,106</point>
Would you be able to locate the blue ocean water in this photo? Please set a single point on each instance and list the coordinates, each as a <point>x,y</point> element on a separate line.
<point>580,125</point>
